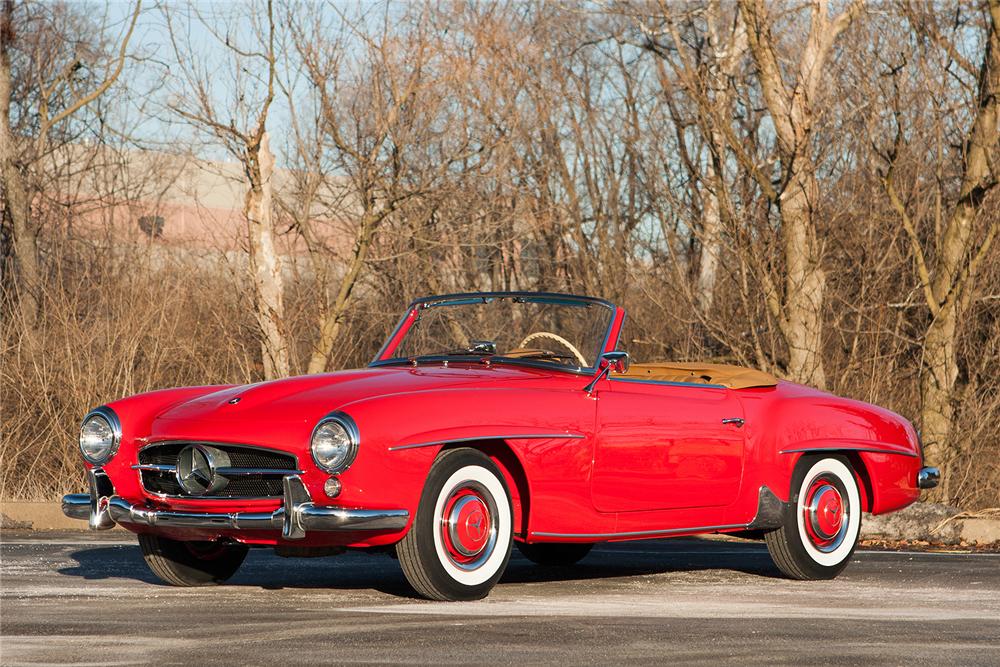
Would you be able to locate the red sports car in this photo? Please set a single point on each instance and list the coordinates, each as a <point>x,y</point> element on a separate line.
<point>490,420</point>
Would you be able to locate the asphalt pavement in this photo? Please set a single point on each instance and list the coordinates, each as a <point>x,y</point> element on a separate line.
<point>89,600</point>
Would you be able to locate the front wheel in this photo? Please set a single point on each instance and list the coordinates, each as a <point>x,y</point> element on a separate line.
<point>460,541</point>
<point>191,563</point>
<point>821,522</point>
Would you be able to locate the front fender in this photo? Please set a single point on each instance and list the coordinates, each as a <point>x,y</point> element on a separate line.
<point>401,435</point>
<point>136,414</point>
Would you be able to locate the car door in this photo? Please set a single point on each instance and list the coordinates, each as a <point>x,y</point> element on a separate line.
<point>666,445</point>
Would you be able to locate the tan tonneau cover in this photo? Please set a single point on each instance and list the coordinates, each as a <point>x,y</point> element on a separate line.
<point>734,377</point>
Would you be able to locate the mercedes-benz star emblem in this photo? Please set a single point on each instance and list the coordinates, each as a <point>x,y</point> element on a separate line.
<point>196,469</point>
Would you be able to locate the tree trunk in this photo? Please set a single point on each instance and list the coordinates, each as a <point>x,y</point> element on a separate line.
<point>805,280</point>
<point>790,108</point>
<point>16,198</point>
<point>265,262</point>
<point>954,272</point>
<point>332,320</point>
<point>937,387</point>
<point>710,239</point>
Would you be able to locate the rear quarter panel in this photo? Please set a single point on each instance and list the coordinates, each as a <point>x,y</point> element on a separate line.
<point>789,421</point>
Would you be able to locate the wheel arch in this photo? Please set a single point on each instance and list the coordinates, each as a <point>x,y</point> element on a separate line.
<point>858,466</point>
<point>515,475</point>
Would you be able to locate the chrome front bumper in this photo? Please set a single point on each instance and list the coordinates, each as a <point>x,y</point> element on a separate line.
<point>298,514</point>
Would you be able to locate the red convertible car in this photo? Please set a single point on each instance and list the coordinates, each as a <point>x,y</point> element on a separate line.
<point>486,421</point>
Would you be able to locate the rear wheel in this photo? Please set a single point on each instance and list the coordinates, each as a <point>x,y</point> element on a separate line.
<point>191,563</point>
<point>821,523</point>
<point>460,541</point>
<point>554,554</point>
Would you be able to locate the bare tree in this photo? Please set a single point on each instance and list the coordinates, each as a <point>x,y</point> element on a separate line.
<point>792,106</point>
<point>53,85</point>
<point>949,260</point>
<point>389,127</point>
<point>244,135</point>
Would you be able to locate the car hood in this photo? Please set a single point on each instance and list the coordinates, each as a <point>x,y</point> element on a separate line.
<point>309,397</point>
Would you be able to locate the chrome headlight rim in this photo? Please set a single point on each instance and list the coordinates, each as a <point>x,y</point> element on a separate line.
<point>353,434</point>
<point>114,423</point>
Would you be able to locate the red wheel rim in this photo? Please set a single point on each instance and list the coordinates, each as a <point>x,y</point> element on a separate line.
<point>468,527</point>
<point>825,513</point>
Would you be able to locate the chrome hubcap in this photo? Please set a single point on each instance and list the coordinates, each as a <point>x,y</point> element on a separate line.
<point>468,526</point>
<point>826,514</point>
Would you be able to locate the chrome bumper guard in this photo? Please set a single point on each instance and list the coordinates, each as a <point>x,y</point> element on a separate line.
<point>928,478</point>
<point>298,514</point>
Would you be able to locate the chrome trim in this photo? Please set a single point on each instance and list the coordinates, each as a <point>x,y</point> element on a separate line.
<point>296,499</point>
<point>612,358</point>
<point>847,448</point>
<point>928,478</point>
<point>738,422</point>
<point>353,434</point>
<point>76,505</point>
<point>499,359</point>
<point>669,383</point>
<point>298,513</point>
<point>532,436</point>
<point>216,443</point>
<point>484,496</point>
<point>196,472</point>
<point>101,489</point>
<point>641,533</point>
<point>91,507</point>
<point>544,297</point>
<point>230,471</point>
<point>111,417</point>
<point>154,467</point>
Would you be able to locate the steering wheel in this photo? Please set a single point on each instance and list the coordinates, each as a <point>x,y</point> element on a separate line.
<point>557,338</point>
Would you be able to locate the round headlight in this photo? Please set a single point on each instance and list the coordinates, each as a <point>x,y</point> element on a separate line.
<point>335,442</point>
<point>100,434</point>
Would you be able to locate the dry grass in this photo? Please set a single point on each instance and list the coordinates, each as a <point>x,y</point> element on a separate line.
<point>138,319</point>
<point>109,328</point>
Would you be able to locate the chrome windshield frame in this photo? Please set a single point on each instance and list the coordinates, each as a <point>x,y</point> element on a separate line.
<point>467,298</point>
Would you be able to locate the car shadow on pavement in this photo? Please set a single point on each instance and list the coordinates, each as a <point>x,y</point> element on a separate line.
<point>109,562</point>
<point>379,572</point>
<point>624,559</point>
<point>262,569</point>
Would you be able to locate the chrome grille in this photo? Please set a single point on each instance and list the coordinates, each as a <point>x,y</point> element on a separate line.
<point>253,472</point>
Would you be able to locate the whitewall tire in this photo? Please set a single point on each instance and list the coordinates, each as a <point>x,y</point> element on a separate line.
<point>460,542</point>
<point>822,520</point>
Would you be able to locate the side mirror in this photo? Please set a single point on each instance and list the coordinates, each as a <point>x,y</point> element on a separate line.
<point>617,361</point>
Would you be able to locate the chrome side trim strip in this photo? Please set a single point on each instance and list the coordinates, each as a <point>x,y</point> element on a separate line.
<point>642,533</point>
<point>847,448</point>
<point>508,436</point>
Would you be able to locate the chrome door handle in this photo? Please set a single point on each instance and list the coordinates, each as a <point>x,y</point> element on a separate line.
<point>737,421</point>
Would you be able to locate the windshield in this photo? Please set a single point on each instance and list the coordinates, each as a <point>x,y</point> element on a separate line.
<point>561,331</point>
